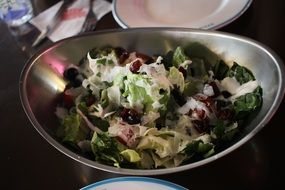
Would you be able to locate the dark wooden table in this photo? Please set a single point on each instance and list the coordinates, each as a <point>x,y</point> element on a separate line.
<point>30,162</point>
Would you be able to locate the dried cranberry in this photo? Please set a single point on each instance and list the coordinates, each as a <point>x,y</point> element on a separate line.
<point>201,125</point>
<point>197,113</point>
<point>90,100</point>
<point>226,114</point>
<point>183,71</point>
<point>130,116</point>
<point>135,66</point>
<point>146,59</point>
<point>122,54</point>
<point>207,100</point>
<point>68,101</point>
<point>121,140</point>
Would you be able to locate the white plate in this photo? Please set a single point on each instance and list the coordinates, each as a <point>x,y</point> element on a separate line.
<point>204,14</point>
<point>133,183</point>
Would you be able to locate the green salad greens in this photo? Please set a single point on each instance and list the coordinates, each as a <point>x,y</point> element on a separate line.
<point>131,110</point>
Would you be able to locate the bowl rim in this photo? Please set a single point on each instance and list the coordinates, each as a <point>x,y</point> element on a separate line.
<point>125,25</point>
<point>149,172</point>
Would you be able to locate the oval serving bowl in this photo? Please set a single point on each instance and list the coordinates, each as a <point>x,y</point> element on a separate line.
<point>42,81</point>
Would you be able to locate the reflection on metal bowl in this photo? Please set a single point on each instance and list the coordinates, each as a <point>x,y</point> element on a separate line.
<point>42,80</point>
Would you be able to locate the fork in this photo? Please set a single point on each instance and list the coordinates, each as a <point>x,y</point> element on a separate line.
<point>90,21</point>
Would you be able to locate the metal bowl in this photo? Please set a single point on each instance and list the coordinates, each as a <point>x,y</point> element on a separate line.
<point>42,79</point>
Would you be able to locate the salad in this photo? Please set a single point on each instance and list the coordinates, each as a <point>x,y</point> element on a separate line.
<point>132,110</point>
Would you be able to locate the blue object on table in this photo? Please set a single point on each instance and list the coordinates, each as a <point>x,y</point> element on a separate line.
<point>16,12</point>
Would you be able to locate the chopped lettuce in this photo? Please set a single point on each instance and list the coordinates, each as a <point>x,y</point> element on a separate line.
<point>242,74</point>
<point>179,57</point>
<point>105,149</point>
<point>131,155</point>
<point>247,103</point>
<point>136,111</point>
<point>224,132</point>
<point>72,129</point>
<point>136,91</point>
<point>198,68</point>
<point>200,51</point>
<point>176,78</point>
<point>220,70</point>
<point>199,148</point>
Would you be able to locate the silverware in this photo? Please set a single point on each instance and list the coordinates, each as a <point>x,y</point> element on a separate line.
<point>54,23</point>
<point>90,21</point>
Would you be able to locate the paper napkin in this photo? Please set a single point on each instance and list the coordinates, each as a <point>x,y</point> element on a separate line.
<point>72,19</point>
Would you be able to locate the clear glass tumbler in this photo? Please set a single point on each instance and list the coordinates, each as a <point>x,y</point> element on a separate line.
<point>16,12</point>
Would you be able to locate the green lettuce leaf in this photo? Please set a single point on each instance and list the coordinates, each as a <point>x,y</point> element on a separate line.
<point>224,132</point>
<point>199,148</point>
<point>208,59</point>
<point>105,149</point>
<point>197,50</point>
<point>242,74</point>
<point>247,103</point>
<point>220,70</point>
<point>176,78</point>
<point>144,94</point>
<point>198,68</point>
<point>192,87</point>
<point>72,129</point>
<point>179,57</point>
<point>136,94</point>
<point>131,155</point>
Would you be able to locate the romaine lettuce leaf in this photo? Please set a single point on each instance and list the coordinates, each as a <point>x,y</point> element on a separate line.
<point>220,70</point>
<point>198,50</point>
<point>247,103</point>
<point>198,68</point>
<point>209,59</point>
<point>242,74</point>
<point>135,91</point>
<point>199,148</point>
<point>72,129</point>
<point>224,132</point>
<point>176,78</point>
<point>131,155</point>
<point>179,57</point>
<point>161,147</point>
<point>144,94</point>
<point>102,124</point>
<point>105,149</point>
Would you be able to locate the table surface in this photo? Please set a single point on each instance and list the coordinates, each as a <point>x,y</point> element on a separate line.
<point>30,162</point>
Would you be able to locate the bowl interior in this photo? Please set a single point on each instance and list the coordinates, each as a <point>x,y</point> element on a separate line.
<point>42,78</point>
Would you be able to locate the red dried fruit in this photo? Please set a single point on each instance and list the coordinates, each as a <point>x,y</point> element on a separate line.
<point>135,66</point>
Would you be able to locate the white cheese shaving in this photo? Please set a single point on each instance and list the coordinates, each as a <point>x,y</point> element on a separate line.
<point>192,104</point>
<point>232,85</point>
<point>208,90</point>
<point>246,88</point>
